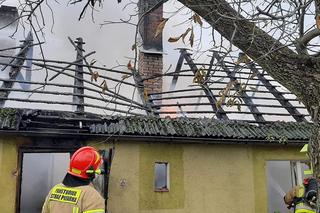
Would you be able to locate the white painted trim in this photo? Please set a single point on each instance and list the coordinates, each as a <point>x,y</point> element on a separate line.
<point>168,176</point>
<point>299,173</point>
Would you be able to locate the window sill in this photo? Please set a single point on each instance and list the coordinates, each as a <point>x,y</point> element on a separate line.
<point>161,190</point>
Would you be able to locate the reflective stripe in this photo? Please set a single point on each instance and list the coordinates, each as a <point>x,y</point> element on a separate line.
<point>76,171</point>
<point>75,210</point>
<point>98,171</point>
<point>95,211</point>
<point>304,211</point>
<point>303,208</point>
<point>98,158</point>
<point>308,172</point>
<point>304,148</point>
<point>301,191</point>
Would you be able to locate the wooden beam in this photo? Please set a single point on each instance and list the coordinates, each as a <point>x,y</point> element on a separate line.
<point>283,101</point>
<point>147,102</point>
<point>16,65</point>
<point>244,96</point>
<point>78,90</point>
<point>175,73</point>
<point>219,111</point>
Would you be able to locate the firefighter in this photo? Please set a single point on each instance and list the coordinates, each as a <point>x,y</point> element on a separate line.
<point>303,198</point>
<point>76,194</point>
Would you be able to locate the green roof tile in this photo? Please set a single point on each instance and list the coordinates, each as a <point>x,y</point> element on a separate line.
<point>153,126</point>
<point>204,127</point>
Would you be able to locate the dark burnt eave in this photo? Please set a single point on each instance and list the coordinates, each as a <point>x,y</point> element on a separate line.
<point>188,130</point>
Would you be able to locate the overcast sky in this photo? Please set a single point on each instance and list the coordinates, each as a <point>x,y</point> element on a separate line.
<point>112,43</point>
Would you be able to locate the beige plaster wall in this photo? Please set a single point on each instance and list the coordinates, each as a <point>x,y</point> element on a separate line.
<point>8,173</point>
<point>203,178</point>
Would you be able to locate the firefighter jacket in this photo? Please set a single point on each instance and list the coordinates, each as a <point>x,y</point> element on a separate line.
<point>81,199</point>
<point>289,197</point>
<point>295,197</point>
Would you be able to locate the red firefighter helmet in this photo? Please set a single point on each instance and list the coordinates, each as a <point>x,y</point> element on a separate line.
<point>84,162</point>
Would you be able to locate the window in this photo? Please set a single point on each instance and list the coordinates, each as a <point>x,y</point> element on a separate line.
<point>281,177</point>
<point>161,174</point>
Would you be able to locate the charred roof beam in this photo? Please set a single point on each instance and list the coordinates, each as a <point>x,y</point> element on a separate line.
<point>283,101</point>
<point>15,68</point>
<point>220,113</point>
<point>243,95</point>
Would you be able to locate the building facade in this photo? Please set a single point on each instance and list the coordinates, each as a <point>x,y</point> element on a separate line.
<point>158,165</point>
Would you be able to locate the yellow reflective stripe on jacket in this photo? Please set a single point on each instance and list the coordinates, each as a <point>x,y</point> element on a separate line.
<point>303,208</point>
<point>75,210</point>
<point>304,211</point>
<point>95,211</point>
<point>301,191</point>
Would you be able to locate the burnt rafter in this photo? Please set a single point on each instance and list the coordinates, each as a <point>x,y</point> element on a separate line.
<point>78,82</point>
<point>293,71</point>
<point>271,99</point>
<point>221,114</point>
<point>15,67</point>
<point>283,101</point>
<point>87,95</point>
<point>244,96</point>
<point>147,102</point>
<point>177,71</point>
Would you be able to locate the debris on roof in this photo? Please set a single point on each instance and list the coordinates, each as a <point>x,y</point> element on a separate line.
<point>145,126</point>
<point>201,127</point>
<point>9,118</point>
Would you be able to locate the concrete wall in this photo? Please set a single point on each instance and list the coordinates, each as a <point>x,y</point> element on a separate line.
<point>260,155</point>
<point>8,173</point>
<point>203,178</point>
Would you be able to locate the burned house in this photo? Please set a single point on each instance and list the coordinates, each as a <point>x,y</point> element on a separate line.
<point>158,164</point>
<point>159,157</point>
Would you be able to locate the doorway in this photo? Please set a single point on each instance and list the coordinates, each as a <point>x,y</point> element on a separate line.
<point>39,173</point>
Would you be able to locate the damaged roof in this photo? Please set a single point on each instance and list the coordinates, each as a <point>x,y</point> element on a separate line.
<point>144,126</point>
<point>202,127</point>
<point>9,118</point>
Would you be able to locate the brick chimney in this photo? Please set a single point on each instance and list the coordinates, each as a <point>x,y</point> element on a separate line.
<point>150,54</point>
